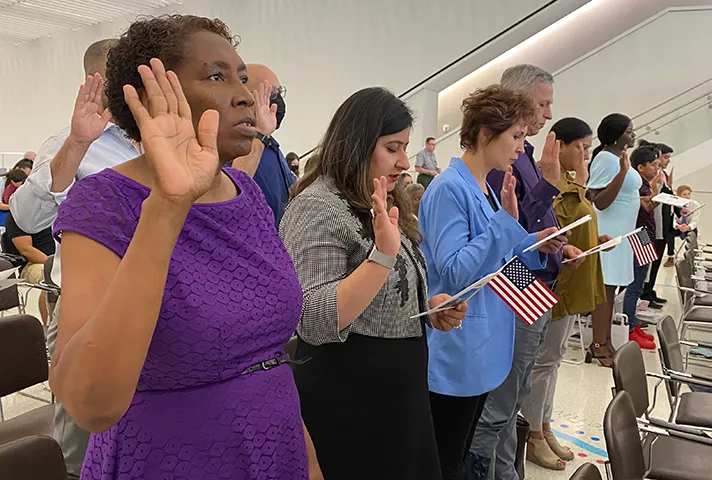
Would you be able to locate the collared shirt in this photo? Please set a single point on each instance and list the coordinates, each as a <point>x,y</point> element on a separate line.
<point>426,160</point>
<point>465,239</point>
<point>274,178</point>
<point>646,218</point>
<point>34,208</point>
<point>581,288</point>
<point>535,196</point>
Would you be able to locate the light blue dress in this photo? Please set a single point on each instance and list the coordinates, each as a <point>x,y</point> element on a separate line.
<point>464,239</point>
<point>618,219</point>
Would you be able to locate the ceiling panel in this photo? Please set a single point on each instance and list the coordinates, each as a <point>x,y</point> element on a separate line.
<point>25,20</point>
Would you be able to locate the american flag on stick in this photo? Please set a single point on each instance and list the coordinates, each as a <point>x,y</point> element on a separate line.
<point>525,294</point>
<point>643,247</point>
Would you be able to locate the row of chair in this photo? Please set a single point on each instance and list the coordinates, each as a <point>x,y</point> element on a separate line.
<point>641,446</point>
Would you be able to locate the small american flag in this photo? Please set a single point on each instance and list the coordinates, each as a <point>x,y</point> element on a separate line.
<point>525,294</point>
<point>643,248</point>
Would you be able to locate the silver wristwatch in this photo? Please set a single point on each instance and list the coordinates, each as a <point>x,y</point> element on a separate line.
<point>382,259</point>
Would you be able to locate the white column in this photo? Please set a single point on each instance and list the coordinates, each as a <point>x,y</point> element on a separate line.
<point>424,105</point>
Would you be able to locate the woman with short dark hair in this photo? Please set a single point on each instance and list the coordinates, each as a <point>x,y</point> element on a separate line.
<point>178,296</point>
<point>355,243</point>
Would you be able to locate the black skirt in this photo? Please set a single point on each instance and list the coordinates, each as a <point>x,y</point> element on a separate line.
<point>366,405</point>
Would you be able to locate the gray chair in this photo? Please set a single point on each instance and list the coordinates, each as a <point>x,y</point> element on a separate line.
<point>670,456</point>
<point>36,457</point>
<point>695,315</point>
<point>23,363</point>
<point>689,408</point>
<point>587,471</point>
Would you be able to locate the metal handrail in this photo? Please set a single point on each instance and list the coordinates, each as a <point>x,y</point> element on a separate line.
<point>680,117</point>
<point>671,98</point>
<point>677,109</point>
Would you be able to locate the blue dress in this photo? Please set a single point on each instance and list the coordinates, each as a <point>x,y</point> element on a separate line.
<point>618,219</point>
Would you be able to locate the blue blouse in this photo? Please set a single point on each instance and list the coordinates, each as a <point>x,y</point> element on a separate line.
<point>463,241</point>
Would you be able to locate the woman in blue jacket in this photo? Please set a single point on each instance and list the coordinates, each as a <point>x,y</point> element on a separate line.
<point>467,235</point>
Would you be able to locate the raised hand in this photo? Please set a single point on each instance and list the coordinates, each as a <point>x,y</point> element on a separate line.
<point>549,163</point>
<point>385,222</point>
<point>508,195</point>
<point>624,160</point>
<point>87,122</point>
<point>183,165</point>
<point>265,115</point>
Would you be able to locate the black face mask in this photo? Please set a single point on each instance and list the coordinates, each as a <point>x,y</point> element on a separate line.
<point>281,107</point>
<point>295,169</point>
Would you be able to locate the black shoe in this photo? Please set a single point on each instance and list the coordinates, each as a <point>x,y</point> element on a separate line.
<point>643,323</point>
<point>655,306</point>
<point>656,299</point>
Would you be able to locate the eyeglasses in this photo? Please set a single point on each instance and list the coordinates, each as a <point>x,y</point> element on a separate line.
<point>281,90</point>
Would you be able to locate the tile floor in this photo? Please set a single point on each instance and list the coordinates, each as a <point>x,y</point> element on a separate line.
<point>582,396</point>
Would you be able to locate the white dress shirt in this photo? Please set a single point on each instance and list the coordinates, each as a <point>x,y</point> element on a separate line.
<point>34,206</point>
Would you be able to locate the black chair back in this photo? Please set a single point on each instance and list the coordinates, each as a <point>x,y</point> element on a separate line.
<point>670,351</point>
<point>587,471</point>
<point>23,357</point>
<point>9,297</point>
<point>629,376</point>
<point>32,458</point>
<point>620,429</point>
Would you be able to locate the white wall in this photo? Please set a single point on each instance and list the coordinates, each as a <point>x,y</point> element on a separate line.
<point>694,168</point>
<point>637,69</point>
<point>322,50</point>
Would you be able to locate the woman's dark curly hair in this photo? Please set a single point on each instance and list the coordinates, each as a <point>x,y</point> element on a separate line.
<point>153,37</point>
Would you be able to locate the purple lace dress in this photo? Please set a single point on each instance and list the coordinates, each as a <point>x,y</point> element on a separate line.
<point>232,299</point>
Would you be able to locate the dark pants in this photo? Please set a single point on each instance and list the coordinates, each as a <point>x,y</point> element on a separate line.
<point>424,179</point>
<point>670,240</point>
<point>632,294</point>
<point>655,267</point>
<point>455,419</point>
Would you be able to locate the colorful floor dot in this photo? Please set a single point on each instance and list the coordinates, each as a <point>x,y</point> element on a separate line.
<point>580,432</point>
<point>600,462</point>
<point>582,455</point>
<point>564,426</point>
<point>595,439</point>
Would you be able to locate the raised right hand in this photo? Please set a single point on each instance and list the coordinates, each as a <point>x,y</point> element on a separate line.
<point>385,222</point>
<point>265,114</point>
<point>549,163</point>
<point>87,124</point>
<point>183,166</point>
<point>624,160</point>
<point>508,194</point>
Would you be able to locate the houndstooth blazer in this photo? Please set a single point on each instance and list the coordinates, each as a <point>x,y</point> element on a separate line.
<point>327,241</point>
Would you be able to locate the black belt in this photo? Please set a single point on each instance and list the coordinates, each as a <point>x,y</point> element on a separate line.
<point>266,365</point>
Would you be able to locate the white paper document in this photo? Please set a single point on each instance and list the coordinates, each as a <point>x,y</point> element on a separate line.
<point>567,228</point>
<point>464,295</point>
<point>673,200</point>
<point>598,248</point>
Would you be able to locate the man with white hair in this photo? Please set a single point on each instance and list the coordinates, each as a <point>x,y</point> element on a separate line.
<point>494,446</point>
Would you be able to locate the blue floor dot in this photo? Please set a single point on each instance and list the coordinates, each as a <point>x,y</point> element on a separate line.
<point>595,439</point>
<point>580,432</point>
<point>564,426</point>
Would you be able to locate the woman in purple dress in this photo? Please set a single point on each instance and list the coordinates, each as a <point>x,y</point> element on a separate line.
<point>178,295</point>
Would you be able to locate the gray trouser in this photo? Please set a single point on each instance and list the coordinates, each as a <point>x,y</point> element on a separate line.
<point>70,437</point>
<point>538,406</point>
<point>494,446</point>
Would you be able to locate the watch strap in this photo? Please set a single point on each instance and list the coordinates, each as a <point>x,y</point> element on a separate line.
<point>265,139</point>
<point>382,259</point>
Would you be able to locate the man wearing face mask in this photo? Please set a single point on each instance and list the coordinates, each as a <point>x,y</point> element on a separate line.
<point>266,162</point>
